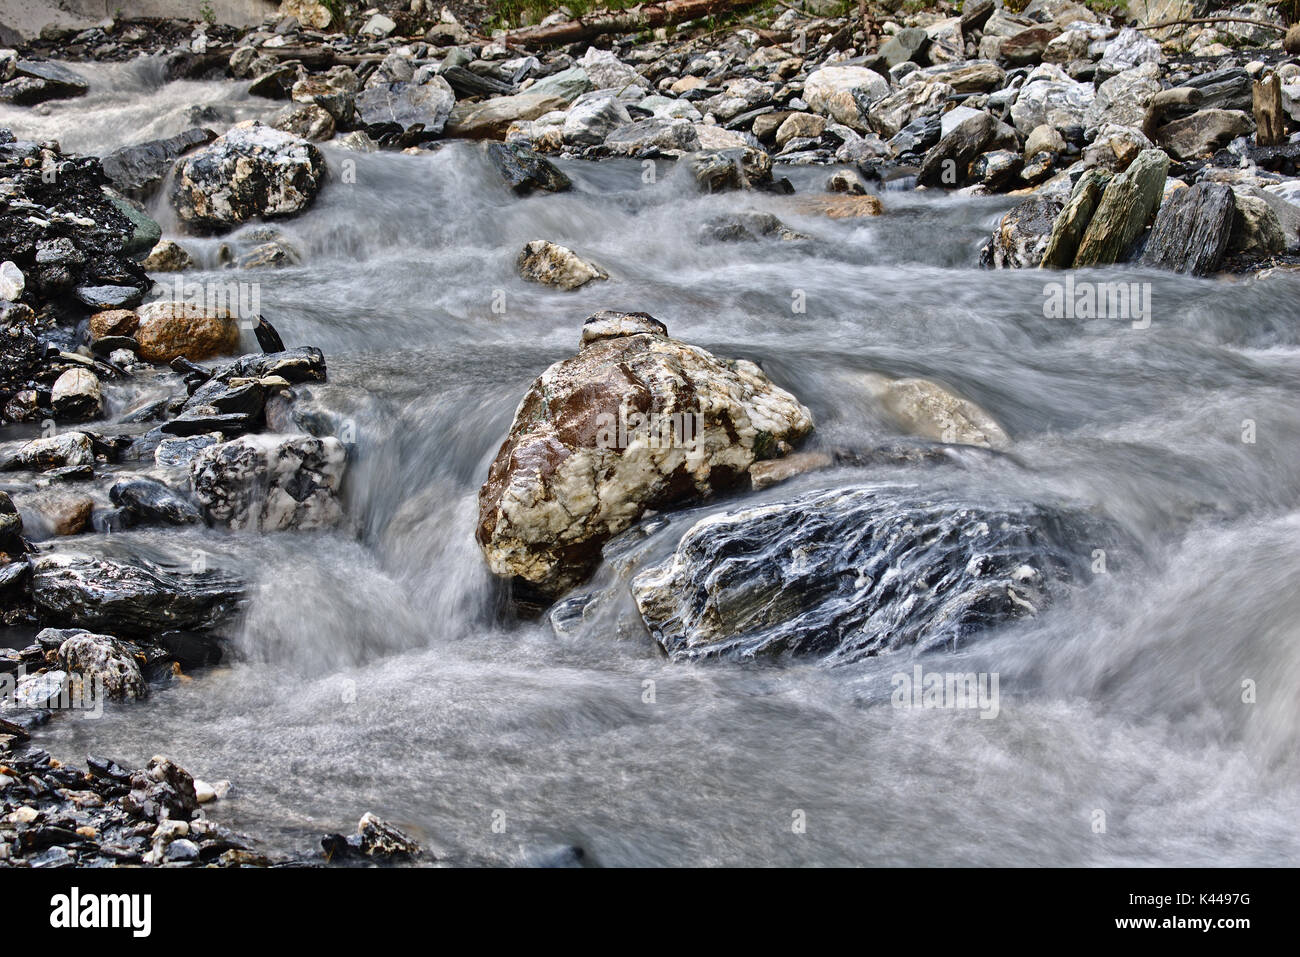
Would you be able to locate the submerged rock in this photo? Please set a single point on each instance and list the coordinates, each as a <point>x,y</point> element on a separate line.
<point>253,170</point>
<point>848,574</point>
<point>148,501</point>
<point>635,420</point>
<point>926,408</point>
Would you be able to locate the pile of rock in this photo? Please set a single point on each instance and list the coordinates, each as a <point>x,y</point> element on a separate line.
<point>54,815</point>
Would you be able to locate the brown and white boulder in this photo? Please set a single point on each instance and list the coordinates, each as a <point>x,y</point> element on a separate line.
<point>636,420</point>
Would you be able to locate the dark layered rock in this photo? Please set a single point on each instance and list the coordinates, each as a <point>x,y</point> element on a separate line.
<point>130,599</point>
<point>139,170</point>
<point>150,502</point>
<point>1191,231</point>
<point>1072,222</point>
<point>948,161</point>
<point>524,171</point>
<point>856,572</point>
<point>36,82</point>
<point>635,420</point>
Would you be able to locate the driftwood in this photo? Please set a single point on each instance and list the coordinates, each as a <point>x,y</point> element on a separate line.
<point>641,17</point>
<point>1266,97</point>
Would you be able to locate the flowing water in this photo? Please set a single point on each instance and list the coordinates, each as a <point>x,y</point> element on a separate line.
<point>379,668</point>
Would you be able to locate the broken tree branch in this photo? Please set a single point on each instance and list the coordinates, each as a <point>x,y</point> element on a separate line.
<point>1192,20</point>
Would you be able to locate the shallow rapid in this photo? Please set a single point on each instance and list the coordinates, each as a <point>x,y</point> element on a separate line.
<point>379,667</point>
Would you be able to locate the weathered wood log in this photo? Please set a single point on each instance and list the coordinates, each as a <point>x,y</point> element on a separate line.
<point>636,18</point>
<point>1266,101</point>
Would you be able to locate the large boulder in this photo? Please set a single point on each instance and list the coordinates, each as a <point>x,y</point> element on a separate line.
<point>1191,231</point>
<point>1202,133</point>
<point>407,104</point>
<point>1129,49</point>
<point>253,170</point>
<point>653,137</point>
<point>1256,230</point>
<point>893,112</point>
<point>634,421</point>
<point>1126,207</point>
<point>490,119</point>
<point>1050,96</point>
<point>593,117</point>
<point>848,574</point>
<point>1123,99</point>
<point>840,91</point>
<point>271,482</point>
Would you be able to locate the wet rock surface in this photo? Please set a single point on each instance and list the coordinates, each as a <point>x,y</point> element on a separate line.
<point>250,171</point>
<point>603,436</point>
<point>856,572</point>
